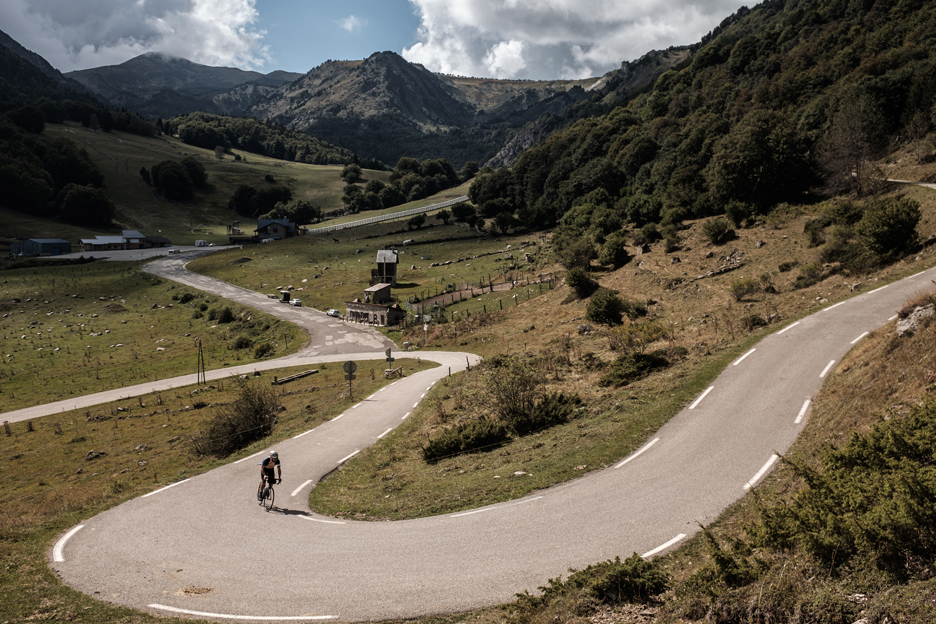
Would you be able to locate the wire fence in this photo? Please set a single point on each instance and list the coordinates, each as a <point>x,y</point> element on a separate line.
<point>387,217</point>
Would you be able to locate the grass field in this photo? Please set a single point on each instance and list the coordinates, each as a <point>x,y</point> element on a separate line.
<point>79,329</point>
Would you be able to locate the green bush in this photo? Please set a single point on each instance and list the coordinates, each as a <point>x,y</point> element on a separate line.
<point>752,321</point>
<point>263,350</point>
<point>477,435</point>
<point>186,298</point>
<point>889,226</point>
<point>605,307</point>
<point>634,580</point>
<point>814,229</point>
<point>553,409</point>
<point>744,287</point>
<point>717,230</point>
<point>868,503</point>
<point>226,316</point>
<point>237,425</point>
<point>581,282</point>
<point>738,212</point>
<point>631,367</point>
<point>243,342</point>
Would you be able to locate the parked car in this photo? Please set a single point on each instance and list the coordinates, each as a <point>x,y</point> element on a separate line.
<point>296,303</point>
<point>333,312</point>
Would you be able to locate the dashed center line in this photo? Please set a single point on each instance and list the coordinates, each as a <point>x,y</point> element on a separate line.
<point>802,412</point>
<point>699,400</point>
<point>225,616</point>
<point>646,447</point>
<point>663,547</point>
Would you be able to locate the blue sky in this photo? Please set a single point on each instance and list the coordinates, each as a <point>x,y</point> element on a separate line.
<point>302,35</point>
<point>530,39</point>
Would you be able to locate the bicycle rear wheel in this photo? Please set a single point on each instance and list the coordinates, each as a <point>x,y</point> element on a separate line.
<point>268,498</point>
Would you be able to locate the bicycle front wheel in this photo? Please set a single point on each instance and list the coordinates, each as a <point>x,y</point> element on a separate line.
<point>268,498</point>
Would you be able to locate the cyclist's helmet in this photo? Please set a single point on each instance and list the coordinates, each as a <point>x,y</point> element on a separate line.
<point>274,454</point>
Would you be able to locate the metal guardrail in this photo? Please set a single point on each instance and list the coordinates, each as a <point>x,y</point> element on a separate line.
<point>387,217</point>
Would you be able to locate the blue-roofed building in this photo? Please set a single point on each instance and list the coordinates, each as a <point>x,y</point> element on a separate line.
<point>40,247</point>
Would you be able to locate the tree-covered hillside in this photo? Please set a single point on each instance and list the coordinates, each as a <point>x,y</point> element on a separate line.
<point>791,99</point>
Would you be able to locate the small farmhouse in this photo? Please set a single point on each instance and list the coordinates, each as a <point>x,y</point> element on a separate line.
<point>386,271</point>
<point>40,247</point>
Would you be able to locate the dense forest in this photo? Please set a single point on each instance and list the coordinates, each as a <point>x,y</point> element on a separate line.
<point>258,137</point>
<point>789,102</point>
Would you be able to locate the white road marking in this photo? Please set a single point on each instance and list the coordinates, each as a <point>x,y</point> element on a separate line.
<point>760,473</point>
<point>225,616</point>
<point>826,369</point>
<point>165,488</point>
<point>245,459</point>
<point>893,317</point>
<point>788,327</point>
<point>741,359</point>
<point>302,434</point>
<point>835,306</point>
<point>917,275</point>
<point>699,400</point>
<point>663,547</point>
<point>638,453</point>
<point>881,288</point>
<point>860,337</point>
<point>60,545</point>
<point>299,489</point>
<point>343,460</point>
<point>475,511</point>
<point>422,396</point>
<point>385,433</point>
<point>355,406</point>
<point>337,417</point>
<point>405,415</point>
<point>802,412</point>
<point>416,404</point>
<point>322,521</point>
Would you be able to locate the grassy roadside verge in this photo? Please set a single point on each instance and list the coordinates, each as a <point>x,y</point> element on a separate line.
<point>52,479</point>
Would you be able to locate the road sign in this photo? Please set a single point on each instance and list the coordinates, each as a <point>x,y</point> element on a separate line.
<point>388,351</point>
<point>350,367</point>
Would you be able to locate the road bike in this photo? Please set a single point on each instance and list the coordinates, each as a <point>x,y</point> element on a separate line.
<point>265,497</point>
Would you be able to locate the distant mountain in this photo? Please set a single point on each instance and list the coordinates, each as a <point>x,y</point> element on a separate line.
<point>159,85</point>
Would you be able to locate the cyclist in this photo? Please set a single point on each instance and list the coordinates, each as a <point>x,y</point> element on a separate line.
<point>267,467</point>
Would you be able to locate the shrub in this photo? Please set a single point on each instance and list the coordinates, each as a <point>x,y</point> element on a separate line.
<point>631,367</point>
<point>742,288</point>
<point>752,321</point>
<point>889,226</point>
<point>248,419</point>
<point>717,230</point>
<point>786,266</point>
<point>581,282</point>
<point>263,350</point>
<point>226,316</point>
<point>202,306</point>
<point>243,342</point>
<point>605,307</point>
<point>738,212</point>
<point>197,314</point>
<point>553,409</point>
<point>484,434</point>
<point>634,580</point>
<point>186,298</point>
<point>814,229</point>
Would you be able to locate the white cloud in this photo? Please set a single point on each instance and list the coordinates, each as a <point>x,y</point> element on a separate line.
<point>79,34</point>
<point>552,38</point>
<point>351,23</point>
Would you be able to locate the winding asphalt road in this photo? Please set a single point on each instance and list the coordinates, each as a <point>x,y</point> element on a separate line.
<point>204,548</point>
